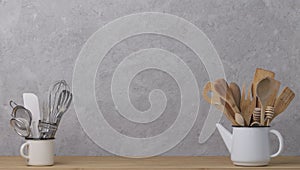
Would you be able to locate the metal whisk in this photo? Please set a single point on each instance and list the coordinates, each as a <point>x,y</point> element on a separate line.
<point>64,102</point>
<point>53,102</point>
<point>59,101</point>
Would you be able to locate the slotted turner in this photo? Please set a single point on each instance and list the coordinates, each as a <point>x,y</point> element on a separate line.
<point>283,101</point>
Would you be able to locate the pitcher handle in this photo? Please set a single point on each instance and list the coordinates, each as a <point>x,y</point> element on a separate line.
<point>22,150</point>
<point>276,133</point>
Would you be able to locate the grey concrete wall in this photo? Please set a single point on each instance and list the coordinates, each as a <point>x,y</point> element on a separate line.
<point>40,41</point>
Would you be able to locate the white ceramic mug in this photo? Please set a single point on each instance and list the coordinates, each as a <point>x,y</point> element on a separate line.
<point>251,146</point>
<point>39,152</point>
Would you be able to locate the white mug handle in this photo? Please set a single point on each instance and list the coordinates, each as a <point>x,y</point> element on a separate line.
<point>22,150</point>
<point>276,133</point>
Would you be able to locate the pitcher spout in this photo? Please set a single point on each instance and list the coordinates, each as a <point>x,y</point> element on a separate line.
<point>226,136</point>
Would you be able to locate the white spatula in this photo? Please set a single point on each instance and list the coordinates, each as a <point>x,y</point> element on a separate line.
<point>31,102</point>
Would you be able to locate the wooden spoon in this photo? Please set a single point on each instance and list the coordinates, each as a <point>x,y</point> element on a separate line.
<point>258,76</point>
<point>239,119</point>
<point>282,102</point>
<point>266,90</point>
<point>236,92</point>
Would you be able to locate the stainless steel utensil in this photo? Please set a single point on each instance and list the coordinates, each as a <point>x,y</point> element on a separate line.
<point>64,102</point>
<point>55,90</point>
<point>47,130</point>
<point>21,119</point>
<point>59,101</point>
<point>65,99</point>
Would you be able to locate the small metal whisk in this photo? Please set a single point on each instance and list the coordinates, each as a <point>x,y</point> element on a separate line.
<point>53,102</point>
<point>59,101</point>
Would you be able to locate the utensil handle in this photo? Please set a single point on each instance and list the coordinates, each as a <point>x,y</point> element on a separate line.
<point>22,150</point>
<point>280,138</point>
<point>207,88</point>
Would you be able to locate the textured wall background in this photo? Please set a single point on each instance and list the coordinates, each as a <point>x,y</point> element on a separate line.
<point>40,41</point>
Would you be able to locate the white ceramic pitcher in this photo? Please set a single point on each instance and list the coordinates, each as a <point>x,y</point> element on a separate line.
<point>250,146</point>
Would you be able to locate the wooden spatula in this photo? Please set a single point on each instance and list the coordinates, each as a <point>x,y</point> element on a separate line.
<point>271,100</point>
<point>282,102</point>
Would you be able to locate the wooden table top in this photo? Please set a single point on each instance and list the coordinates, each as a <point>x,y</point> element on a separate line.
<point>174,163</point>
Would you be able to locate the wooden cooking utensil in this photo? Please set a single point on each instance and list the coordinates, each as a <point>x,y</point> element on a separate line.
<point>271,102</point>
<point>243,104</point>
<point>229,113</point>
<point>256,117</point>
<point>239,119</point>
<point>229,102</point>
<point>209,89</point>
<point>247,105</point>
<point>251,104</point>
<point>282,102</point>
<point>236,92</point>
<point>275,88</point>
<point>269,114</point>
<point>245,100</point>
<point>222,88</point>
<point>235,118</point>
<point>258,76</point>
<point>266,90</point>
<point>218,103</point>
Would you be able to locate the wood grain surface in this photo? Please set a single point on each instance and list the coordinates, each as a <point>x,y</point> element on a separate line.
<point>176,163</point>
